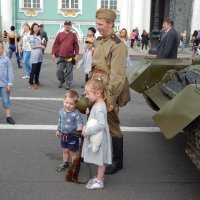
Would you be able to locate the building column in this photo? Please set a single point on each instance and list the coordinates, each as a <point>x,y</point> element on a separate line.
<point>140,11</point>
<point>7,14</point>
<point>195,25</point>
<point>124,14</point>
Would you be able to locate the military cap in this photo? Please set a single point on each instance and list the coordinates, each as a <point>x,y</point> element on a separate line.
<point>89,40</point>
<point>104,13</point>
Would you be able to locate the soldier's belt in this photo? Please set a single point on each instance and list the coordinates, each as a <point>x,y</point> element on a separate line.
<point>99,71</point>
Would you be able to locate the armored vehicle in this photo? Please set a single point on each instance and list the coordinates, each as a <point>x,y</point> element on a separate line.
<point>172,88</point>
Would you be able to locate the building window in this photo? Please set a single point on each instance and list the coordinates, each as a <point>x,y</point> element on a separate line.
<point>70,8</point>
<point>32,4</point>
<point>70,4</point>
<point>111,4</point>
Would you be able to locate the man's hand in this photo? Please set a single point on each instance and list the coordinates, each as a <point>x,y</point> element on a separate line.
<point>110,108</point>
<point>53,57</point>
<point>76,58</point>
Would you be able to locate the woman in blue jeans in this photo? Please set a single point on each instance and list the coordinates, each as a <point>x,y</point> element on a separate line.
<point>26,51</point>
<point>36,56</point>
<point>13,45</point>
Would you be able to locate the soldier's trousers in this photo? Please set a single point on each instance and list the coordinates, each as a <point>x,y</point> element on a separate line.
<point>114,123</point>
<point>65,72</point>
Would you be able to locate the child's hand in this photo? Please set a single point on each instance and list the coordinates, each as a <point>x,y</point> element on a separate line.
<point>79,129</point>
<point>57,133</point>
<point>84,134</point>
<point>8,89</point>
<point>87,111</point>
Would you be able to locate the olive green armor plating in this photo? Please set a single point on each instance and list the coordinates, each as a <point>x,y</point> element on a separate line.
<point>172,88</point>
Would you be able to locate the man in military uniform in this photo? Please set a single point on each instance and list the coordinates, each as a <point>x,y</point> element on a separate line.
<point>109,64</point>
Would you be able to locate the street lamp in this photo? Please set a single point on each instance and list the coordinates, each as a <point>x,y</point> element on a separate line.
<point>155,32</point>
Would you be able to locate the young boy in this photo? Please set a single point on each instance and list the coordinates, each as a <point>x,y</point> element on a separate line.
<point>6,82</point>
<point>87,57</point>
<point>69,120</point>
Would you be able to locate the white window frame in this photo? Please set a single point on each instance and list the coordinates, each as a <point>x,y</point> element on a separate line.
<point>70,12</point>
<point>70,8</point>
<point>118,5</point>
<point>34,11</point>
<point>21,5</point>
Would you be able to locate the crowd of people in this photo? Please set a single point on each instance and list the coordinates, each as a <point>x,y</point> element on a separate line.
<point>105,80</point>
<point>105,60</point>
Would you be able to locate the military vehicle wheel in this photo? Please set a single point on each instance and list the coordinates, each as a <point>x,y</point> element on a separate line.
<point>193,141</point>
<point>151,103</point>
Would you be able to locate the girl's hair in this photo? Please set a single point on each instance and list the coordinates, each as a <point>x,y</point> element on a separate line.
<point>126,35</point>
<point>97,85</point>
<point>26,24</point>
<point>32,31</point>
<point>145,32</point>
<point>71,94</point>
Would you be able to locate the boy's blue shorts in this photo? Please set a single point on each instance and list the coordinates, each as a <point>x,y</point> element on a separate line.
<point>70,142</point>
<point>5,96</point>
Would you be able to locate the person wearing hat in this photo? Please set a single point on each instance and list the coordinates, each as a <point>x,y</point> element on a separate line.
<point>91,32</point>
<point>86,62</point>
<point>108,64</point>
<point>66,48</point>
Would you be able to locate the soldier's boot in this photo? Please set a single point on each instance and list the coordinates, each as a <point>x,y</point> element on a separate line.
<point>117,163</point>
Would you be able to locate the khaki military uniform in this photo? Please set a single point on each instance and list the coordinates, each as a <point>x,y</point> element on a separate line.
<point>109,64</point>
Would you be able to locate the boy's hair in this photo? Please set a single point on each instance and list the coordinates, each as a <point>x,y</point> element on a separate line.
<point>97,85</point>
<point>72,95</point>
<point>92,29</point>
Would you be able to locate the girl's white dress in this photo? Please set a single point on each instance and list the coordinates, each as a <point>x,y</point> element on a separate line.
<point>103,155</point>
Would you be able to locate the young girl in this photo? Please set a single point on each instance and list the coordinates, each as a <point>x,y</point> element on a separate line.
<point>87,58</point>
<point>26,51</point>
<point>95,92</point>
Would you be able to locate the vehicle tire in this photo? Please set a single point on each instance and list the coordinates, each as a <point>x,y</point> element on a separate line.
<point>193,141</point>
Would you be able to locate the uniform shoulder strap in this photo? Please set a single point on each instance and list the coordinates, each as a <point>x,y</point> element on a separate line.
<point>115,39</point>
<point>99,38</point>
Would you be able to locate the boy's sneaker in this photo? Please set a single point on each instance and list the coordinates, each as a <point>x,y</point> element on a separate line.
<point>10,120</point>
<point>25,77</point>
<point>94,184</point>
<point>62,167</point>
